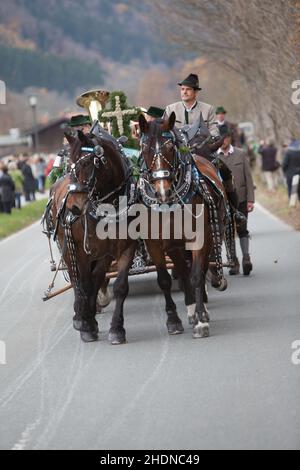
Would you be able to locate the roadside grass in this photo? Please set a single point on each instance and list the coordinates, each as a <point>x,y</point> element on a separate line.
<point>20,219</point>
<point>277,203</point>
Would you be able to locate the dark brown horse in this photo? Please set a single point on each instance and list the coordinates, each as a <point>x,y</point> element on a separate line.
<point>170,176</point>
<point>98,174</point>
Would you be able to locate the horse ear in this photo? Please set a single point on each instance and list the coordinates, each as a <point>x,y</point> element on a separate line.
<point>216,145</point>
<point>70,138</point>
<point>172,120</point>
<point>143,124</point>
<point>81,136</point>
<point>169,124</point>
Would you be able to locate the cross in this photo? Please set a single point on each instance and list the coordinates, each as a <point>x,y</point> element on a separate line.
<point>119,113</point>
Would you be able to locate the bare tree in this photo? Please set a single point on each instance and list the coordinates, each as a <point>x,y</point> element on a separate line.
<point>257,40</point>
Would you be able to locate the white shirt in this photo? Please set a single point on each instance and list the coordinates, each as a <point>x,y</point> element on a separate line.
<point>191,108</point>
<point>229,152</point>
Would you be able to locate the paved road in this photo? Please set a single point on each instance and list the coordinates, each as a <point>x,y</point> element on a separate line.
<point>237,389</point>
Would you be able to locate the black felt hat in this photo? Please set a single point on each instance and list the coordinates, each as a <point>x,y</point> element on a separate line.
<point>155,112</point>
<point>191,81</point>
<point>225,131</point>
<point>79,120</point>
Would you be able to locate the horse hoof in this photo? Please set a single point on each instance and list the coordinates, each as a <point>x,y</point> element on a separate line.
<point>77,324</point>
<point>222,285</point>
<point>175,328</point>
<point>116,339</point>
<point>193,320</point>
<point>205,316</point>
<point>104,299</point>
<point>89,336</point>
<point>215,282</point>
<point>201,330</point>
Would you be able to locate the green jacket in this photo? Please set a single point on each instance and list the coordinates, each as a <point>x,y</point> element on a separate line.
<point>18,180</point>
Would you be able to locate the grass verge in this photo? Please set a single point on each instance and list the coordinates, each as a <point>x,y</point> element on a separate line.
<point>20,219</point>
<point>277,203</point>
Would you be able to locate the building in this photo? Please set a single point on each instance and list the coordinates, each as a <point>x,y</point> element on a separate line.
<point>50,136</point>
<point>14,142</point>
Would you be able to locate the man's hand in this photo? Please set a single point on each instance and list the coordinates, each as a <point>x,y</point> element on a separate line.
<point>250,206</point>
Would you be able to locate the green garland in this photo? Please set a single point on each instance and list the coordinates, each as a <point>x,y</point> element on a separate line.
<point>131,143</point>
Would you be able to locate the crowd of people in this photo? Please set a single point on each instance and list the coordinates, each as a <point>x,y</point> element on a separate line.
<point>21,177</point>
<point>280,170</point>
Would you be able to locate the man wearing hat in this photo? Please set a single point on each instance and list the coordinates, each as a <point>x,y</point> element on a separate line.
<point>81,121</point>
<point>154,113</point>
<point>238,163</point>
<point>151,114</point>
<point>189,109</point>
<point>224,125</point>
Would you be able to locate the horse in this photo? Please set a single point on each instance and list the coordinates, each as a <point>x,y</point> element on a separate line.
<point>168,175</point>
<point>99,174</point>
<point>199,141</point>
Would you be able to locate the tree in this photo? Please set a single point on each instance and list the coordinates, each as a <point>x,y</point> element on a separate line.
<point>257,40</point>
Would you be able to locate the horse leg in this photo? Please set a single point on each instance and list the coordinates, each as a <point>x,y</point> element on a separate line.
<point>84,319</point>
<point>104,297</point>
<point>201,328</point>
<point>117,333</point>
<point>91,278</point>
<point>174,324</point>
<point>184,273</point>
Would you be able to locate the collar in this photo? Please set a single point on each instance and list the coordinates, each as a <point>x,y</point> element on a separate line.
<point>230,151</point>
<point>190,109</point>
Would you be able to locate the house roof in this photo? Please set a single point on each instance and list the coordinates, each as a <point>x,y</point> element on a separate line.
<point>44,127</point>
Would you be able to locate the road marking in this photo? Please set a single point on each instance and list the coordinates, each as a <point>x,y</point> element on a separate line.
<point>2,353</point>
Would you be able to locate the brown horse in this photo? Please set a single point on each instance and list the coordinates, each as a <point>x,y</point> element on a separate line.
<point>168,176</point>
<point>98,174</point>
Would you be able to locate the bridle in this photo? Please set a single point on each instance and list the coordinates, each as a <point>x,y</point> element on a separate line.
<point>179,171</point>
<point>97,154</point>
<point>158,149</point>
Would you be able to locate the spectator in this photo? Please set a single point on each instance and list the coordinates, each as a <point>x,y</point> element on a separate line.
<point>7,188</point>
<point>18,180</point>
<point>40,170</point>
<point>270,165</point>
<point>291,164</point>
<point>29,185</point>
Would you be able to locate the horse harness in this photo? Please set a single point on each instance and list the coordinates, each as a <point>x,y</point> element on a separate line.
<point>189,183</point>
<point>66,218</point>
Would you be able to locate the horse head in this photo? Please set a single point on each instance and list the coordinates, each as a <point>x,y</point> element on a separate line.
<point>96,164</point>
<point>160,155</point>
